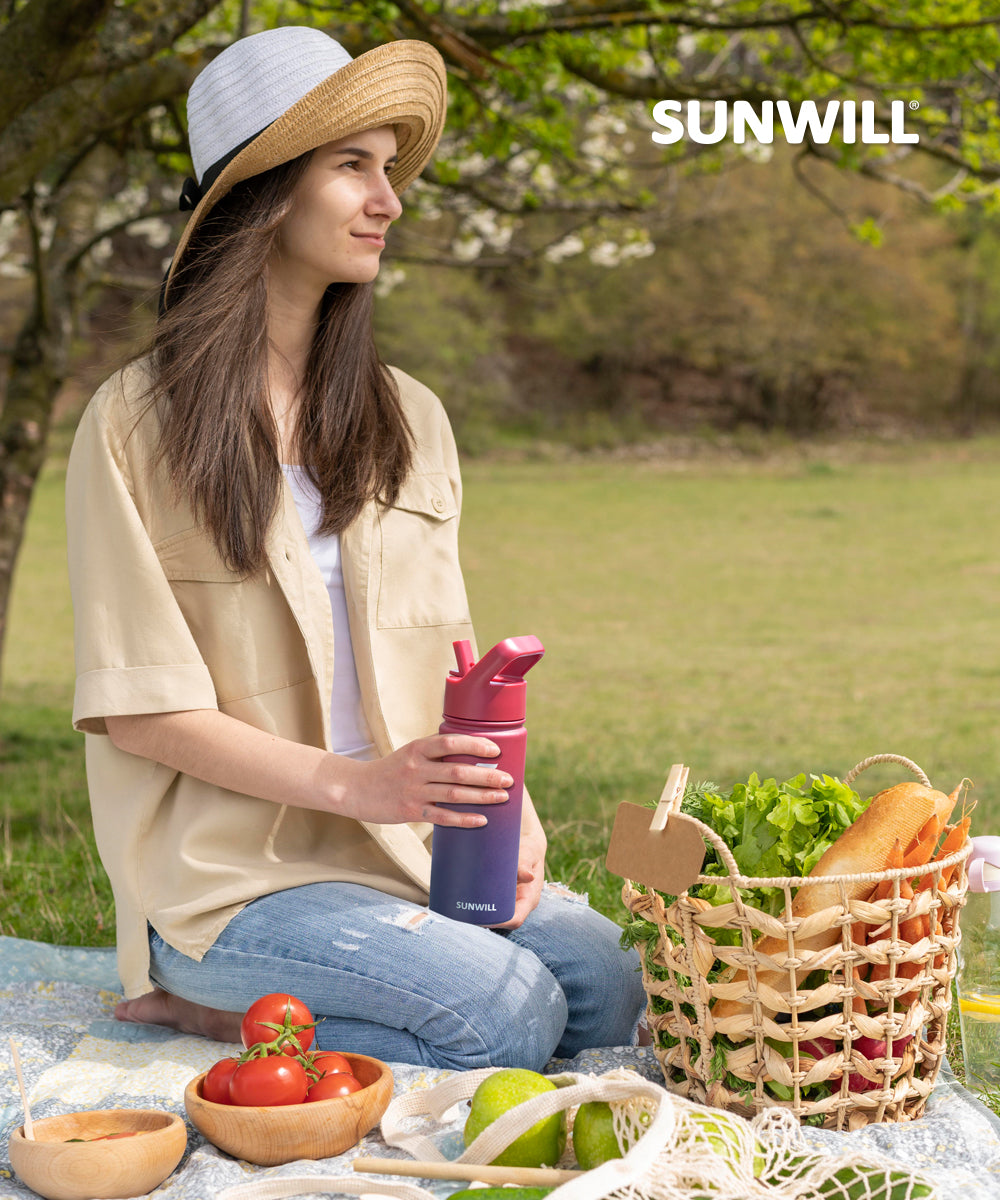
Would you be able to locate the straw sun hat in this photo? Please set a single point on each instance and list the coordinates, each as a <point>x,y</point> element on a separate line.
<point>274,95</point>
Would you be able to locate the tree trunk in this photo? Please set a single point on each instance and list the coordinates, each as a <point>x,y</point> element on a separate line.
<point>35,374</point>
<point>39,363</point>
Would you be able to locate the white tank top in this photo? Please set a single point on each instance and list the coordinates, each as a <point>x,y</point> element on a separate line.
<point>349,732</point>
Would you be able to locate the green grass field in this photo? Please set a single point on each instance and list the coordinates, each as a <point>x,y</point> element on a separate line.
<point>796,610</point>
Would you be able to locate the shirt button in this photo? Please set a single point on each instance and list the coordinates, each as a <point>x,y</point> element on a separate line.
<point>438,504</point>
<point>288,555</point>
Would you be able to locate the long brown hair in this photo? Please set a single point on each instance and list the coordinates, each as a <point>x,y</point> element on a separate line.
<point>217,432</point>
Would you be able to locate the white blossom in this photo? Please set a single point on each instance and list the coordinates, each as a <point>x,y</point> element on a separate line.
<point>543,178</point>
<point>389,278</point>
<point>757,152</point>
<point>613,254</point>
<point>101,251</point>
<point>10,221</point>
<point>567,247</point>
<point>466,249</point>
<point>156,232</point>
<point>487,225</point>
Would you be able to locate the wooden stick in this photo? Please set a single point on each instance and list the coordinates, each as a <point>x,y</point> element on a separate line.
<point>29,1131</point>
<point>456,1170</point>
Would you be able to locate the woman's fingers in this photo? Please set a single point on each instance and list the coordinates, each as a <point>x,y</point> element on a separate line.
<point>471,775</point>
<point>444,745</point>
<point>453,794</point>
<point>452,817</point>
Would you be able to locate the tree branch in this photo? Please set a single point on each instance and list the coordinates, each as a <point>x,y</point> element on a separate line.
<point>40,49</point>
<point>452,42</point>
<point>571,18</point>
<point>73,262</point>
<point>477,193</point>
<point>136,33</point>
<point>75,113</point>
<point>620,83</point>
<point>874,170</point>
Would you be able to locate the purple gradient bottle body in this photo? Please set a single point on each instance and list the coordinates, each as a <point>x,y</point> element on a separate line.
<point>474,871</point>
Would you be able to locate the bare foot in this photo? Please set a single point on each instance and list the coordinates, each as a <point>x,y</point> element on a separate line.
<point>161,1008</point>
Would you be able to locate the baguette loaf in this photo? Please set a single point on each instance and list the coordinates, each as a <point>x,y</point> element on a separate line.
<point>864,846</point>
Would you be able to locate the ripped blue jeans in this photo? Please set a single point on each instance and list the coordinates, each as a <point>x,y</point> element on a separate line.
<point>396,981</point>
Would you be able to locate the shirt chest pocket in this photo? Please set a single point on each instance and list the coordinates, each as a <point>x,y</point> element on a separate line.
<point>243,627</point>
<point>420,580</point>
<point>192,555</point>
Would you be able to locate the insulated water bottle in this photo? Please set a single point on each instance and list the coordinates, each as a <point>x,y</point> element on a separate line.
<point>978,981</point>
<point>474,871</point>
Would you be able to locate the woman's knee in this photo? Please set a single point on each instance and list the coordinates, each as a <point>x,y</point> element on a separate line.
<point>601,981</point>
<point>516,1019</point>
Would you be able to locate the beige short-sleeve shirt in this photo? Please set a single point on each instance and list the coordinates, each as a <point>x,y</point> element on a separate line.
<point>162,625</point>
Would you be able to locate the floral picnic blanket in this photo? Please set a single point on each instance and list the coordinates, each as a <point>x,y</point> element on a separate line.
<point>58,1003</point>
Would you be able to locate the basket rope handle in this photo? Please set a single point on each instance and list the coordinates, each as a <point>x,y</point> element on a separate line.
<point>865,763</point>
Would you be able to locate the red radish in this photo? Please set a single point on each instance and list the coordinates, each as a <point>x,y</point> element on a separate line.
<point>873,1049</point>
<point>817,1048</point>
<point>869,1048</point>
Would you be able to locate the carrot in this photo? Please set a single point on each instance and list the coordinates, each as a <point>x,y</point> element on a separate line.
<point>883,890</point>
<point>912,930</point>
<point>952,843</point>
<point>859,935</point>
<point>919,852</point>
<point>954,840</point>
<point>857,1000</point>
<point>926,837</point>
<point>906,930</point>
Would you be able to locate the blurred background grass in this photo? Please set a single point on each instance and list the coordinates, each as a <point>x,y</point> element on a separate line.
<point>792,610</point>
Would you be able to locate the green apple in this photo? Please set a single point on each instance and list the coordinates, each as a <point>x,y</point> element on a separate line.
<point>541,1145</point>
<point>725,1133</point>
<point>506,1192</point>
<point>594,1140</point>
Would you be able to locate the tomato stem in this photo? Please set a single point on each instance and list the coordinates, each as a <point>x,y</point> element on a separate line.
<point>285,1034</point>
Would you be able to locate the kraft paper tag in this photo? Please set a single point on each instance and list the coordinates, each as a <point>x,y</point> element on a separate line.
<point>667,859</point>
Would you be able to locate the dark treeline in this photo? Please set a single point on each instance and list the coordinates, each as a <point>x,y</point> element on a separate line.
<point>759,308</point>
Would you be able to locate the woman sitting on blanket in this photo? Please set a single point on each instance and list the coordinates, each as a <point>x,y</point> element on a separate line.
<point>263,551</point>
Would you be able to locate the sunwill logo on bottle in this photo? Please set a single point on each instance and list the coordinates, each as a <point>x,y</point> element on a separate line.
<point>743,118</point>
<point>472,906</point>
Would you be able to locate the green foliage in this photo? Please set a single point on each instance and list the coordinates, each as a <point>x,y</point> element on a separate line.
<point>445,329</point>
<point>773,829</point>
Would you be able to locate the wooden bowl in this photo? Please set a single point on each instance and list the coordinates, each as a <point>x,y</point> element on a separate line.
<point>281,1133</point>
<point>60,1169</point>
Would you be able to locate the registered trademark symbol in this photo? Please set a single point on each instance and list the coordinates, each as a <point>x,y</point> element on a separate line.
<point>914,104</point>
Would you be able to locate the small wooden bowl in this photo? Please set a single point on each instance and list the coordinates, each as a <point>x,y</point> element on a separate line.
<point>60,1169</point>
<point>281,1133</point>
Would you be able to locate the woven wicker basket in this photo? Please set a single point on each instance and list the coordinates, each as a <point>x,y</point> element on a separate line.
<point>685,970</point>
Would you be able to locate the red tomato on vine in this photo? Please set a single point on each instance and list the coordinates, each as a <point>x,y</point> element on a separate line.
<point>278,1015</point>
<point>332,1087</point>
<point>329,1062</point>
<point>274,1079</point>
<point>215,1085</point>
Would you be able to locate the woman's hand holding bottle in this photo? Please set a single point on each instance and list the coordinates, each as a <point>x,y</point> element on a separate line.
<point>414,782</point>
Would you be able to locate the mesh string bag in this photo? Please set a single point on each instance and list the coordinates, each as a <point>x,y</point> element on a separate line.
<point>672,1149</point>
